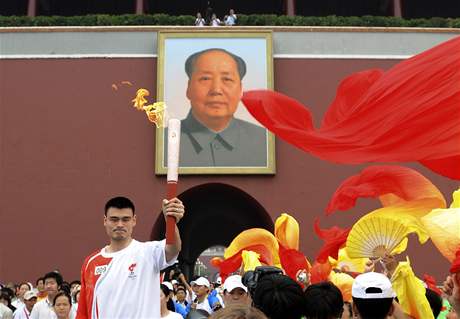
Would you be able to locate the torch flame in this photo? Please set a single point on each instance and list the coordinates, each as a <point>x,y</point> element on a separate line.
<point>155,112</point>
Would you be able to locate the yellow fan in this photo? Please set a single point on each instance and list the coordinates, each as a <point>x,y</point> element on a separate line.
<point>443,226</point>
<point>383,232</point>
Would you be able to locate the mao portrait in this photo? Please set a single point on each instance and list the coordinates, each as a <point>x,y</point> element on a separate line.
<point>216,134</point>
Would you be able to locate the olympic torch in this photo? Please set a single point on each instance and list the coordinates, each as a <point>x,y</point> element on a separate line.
<point>173,173</point>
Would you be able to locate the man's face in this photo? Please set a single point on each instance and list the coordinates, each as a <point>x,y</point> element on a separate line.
<point>237,295</point>
<point>201,290</point>
<point>51,286</point>
<point>30,303</point>
<point>119,223</point>
<point>214,90</point>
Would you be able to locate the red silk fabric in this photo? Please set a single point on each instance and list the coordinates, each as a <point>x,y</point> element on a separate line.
<point>410,113</point>
<point>334,239</point>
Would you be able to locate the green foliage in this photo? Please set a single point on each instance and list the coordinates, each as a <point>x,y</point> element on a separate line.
<point>243,20</point>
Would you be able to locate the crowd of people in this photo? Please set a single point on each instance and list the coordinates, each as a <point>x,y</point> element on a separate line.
<point>261,294</point>
<point>212,20</point>
<point>130,279</point>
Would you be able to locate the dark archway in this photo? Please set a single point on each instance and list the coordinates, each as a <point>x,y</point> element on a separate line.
<point>215,214</point>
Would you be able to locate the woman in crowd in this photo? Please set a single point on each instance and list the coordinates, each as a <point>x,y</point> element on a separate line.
<point>164,299</point>
<point>62,304</point>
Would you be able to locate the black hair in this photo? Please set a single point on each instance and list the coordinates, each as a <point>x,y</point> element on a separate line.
<point>323,301</point>
<point>6,296</point>
<point>191,60</point>
<point>54,275</point>
<point>75,282</point>
<point>65,287</point>
<point>60,294</point>
<point>279,297</point>
<point>373,308</point>
<point>119,202</point>
<point>38,280</point>
<point>435,301</point>
<point>9,292</point>
<point>166,292</point>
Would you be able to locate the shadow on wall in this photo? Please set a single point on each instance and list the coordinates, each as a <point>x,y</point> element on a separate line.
<point>215,214</point>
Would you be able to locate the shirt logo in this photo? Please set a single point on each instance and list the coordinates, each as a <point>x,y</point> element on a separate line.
<point>131,268</point>
<point>99,270</point>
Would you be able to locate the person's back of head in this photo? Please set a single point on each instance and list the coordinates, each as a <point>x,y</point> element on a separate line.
<point>239,311</point>
<point>435,301</point>
<point>323,301</point>
<point>279,297</point>
<point>372,296</point>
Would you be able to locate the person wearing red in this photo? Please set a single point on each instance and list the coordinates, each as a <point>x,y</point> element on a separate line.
<point>122,280</point>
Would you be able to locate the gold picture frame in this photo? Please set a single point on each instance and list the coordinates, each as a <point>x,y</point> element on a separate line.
<point>250,150</point>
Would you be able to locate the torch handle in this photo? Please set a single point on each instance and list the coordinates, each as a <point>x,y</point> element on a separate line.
<point>171,192</point>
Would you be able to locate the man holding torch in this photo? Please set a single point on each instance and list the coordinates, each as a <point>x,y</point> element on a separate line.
<point>122,280</point>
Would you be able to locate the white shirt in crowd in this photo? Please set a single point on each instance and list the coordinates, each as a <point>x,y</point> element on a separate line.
<point>199,22</point>
<point>22,313</point>
<point>43,310</point>
<point>172,315</point>
<point>18,303</point>
<point>231,19</point>
<point>215,22</point>
<point>5,312</point>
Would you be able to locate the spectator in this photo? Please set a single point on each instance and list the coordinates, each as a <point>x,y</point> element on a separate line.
<point>215,22</point>
<point>5,311</point>
<point>165,299</point>
<point>234,291</point>
<point>199,21</point>
<point>181,303</point>
<point>372,296</point>
<point>279,297</point>
<point>201,288</point>
<point>62,304</point>
<point>18,303</point>
<point>30,298</point>
<point>5,297</point>
<point>208,13</point>
<point>323,301</point>
<point>231,18</point>
<point>44,308</point>
<point>239,311</point>
<point>40,286</point>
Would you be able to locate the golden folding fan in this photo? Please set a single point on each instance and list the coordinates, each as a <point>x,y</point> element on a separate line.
<point>378,234</point>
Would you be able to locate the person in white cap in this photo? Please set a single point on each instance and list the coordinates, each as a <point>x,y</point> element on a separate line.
<point>234,291</point>
<point>373,296</point>
<point>30,298</point>
<point>202,301</point>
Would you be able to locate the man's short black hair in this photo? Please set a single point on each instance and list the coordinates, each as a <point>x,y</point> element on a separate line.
<point>54,275</point>
<point>279,297</point>
<point>373,308</point>
<point>119,202</point>
<point>191,60</point>
<point>323,301</point>
<point>435,301</point>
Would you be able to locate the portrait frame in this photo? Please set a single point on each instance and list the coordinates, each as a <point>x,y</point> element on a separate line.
<point>173,49</point>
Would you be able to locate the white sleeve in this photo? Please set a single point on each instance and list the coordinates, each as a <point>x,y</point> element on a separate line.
<point>157,250</point>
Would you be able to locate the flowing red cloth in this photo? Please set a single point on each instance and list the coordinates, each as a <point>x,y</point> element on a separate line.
<point>334,239</point>
<point>292,262</point>
<point>233,263</point>
<point>320,272</point>
<point>455,267</point>
<point>392,184</point>
<point>408,113</point>
<point>431,284</point>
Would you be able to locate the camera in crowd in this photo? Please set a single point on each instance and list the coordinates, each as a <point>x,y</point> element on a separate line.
<point>252,277</point>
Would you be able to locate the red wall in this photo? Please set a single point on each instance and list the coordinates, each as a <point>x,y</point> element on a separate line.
<point>69,141</point>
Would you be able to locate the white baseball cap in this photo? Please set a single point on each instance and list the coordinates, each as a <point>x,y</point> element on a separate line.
<point>30,294</point>
<point>169,285</point>
<point>201,281</point>
<point>380,284</point>
<point>233,282</point>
